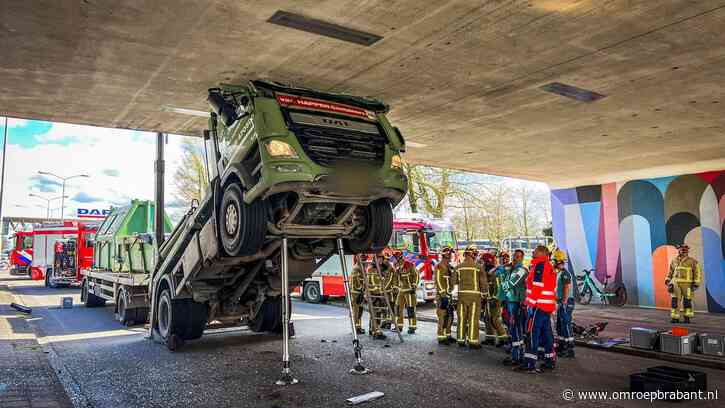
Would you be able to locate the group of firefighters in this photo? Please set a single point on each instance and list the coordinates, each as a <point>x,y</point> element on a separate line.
<point>516,302</point>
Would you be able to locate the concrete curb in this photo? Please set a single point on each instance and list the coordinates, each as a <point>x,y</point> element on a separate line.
<point>693,359</point>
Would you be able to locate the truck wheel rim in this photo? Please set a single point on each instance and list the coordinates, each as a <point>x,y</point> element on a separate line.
<point>163,318</point>
<point>314,294</point>
<point>231,219</point>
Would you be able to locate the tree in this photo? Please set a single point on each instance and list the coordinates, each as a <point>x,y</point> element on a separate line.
<point>190,178</point>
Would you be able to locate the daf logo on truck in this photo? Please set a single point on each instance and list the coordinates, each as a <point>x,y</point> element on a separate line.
<point>92,213</point>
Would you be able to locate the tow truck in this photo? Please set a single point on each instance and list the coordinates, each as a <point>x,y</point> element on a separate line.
<point>295,175</point>
<point>21,256</point>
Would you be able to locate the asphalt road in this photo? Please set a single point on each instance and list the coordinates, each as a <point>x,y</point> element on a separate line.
<point>103,364</point>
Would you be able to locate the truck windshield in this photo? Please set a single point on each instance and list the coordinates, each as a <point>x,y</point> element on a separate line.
<point>441,239</point>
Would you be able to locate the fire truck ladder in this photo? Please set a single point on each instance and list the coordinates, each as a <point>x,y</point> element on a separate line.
<point>380,309</point>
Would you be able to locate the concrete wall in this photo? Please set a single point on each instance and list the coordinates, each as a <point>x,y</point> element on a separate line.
<point>628,232</point>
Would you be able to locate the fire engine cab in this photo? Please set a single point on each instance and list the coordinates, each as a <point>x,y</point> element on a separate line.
<point>61,251</point>
<point>21,256</point>
<point>420,239</point>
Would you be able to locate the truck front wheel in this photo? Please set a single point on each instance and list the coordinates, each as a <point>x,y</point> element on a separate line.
<point>377,221</point>
<point>89,299</point>
<point>242,226</point>
<point>179,320</point>
<point>312,292</point>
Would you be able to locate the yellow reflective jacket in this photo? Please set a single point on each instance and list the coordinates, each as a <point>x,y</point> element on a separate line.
<point>471,279</point>
<point>685,270</point>
<point>407,277</point>
<point>443,279</point>
<point>357,281</point>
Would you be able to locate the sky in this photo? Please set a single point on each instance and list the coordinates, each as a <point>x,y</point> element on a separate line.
<point>120,164</point>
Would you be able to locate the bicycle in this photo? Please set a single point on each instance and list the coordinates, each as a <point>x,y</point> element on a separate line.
<point>616,296</point>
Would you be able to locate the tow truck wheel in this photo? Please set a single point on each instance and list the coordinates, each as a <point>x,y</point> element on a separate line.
<point>312,292</point>
<point>378,219</point>
<point>165,321</point>
<point>126,316</point>
<point>242,226</point>
<point>89,299</point>
<point>180,320</point>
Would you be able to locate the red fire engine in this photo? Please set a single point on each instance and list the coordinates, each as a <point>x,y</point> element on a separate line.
<point>61,251</point>
<point>21,256</point>
<point>420,239</point>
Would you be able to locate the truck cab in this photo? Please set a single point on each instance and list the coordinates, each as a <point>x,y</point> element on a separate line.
<point>21,255</point>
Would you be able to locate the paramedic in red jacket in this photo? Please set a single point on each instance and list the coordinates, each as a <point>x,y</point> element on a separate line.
<point>541,303</point>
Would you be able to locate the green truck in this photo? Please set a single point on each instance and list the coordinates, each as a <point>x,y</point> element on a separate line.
<point>295,175</point>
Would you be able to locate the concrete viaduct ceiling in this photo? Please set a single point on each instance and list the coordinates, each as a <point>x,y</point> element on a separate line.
<point>464,78</point>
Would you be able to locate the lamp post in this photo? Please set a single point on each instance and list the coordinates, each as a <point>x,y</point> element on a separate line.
<point>62,197</point>
<point>47,201</point>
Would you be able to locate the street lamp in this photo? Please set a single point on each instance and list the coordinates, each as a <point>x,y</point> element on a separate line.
<point>47,201</point>
<point>62,199</point>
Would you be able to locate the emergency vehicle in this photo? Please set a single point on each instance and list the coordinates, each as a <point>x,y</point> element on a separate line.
<point>21,256</point>
<point>420,239</point>
<point>61,251</point>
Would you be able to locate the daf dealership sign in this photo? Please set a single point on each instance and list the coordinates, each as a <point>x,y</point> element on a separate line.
<point>92,213</point>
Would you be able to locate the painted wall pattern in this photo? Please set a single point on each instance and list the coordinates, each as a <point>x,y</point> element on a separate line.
<point>628,232</point>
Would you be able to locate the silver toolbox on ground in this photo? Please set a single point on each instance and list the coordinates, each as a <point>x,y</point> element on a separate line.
<point>641,337</point>
<point>712,344</point>
<point>678,344</point>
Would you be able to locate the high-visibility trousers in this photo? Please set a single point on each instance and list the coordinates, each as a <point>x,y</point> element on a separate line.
<point>516,323</point>
<point>445,318</point>
<point>682,295</point>
<point>494,323</point>
<point>541,335</point>
<point>469,311</point>
<point>406,308</point>
<point>357,309</point>
<point>564,331</point>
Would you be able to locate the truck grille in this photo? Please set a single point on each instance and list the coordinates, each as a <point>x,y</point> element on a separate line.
<point>331,140</point>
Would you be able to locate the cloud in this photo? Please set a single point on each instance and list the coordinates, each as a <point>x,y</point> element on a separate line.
<point>44,184</point>
<point>83,197</point>
<point>111,172</point>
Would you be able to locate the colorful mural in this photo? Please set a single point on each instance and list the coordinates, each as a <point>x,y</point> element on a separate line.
<point>628,232</point>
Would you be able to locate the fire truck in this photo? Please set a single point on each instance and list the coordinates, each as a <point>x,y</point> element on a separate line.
<point>21,256</point>
<point>61,251</point>
<point>420,239</point>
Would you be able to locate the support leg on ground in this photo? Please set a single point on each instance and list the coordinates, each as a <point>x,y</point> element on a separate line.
<point>358,368</point>
<point>286,378</point>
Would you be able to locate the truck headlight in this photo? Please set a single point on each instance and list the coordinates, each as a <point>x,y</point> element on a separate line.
<point>396,162</point>
<point>278,148</point>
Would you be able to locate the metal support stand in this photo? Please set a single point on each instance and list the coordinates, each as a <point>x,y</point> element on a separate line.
<point>387,301</point>
<point>287,378</point>
<point>358,368</point>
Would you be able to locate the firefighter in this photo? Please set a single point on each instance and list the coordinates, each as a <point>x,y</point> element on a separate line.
<point>564,306</point>
<point>472,287</point>
<point>376,292</point>
<point>357,289</point>
<point>541,303</point>
<point>444,302</point>
<point>389,279</point>
<point>406,282</point>
<point>682,281</point>
<point>513,285</point>
<point>495,331</point>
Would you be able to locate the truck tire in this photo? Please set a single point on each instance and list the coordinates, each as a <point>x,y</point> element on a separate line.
<point>179,320</point>
<point>89,299</point>
<point>126,316</point>
<point>242,226</point>
<point>269,317</point>
<point>47,278</point>
<point>312,293</point>
<point>378,228</point>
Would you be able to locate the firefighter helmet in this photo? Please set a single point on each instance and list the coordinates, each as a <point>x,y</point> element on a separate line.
<point>559,257</point>
<point>488,258</point>
<point>471,250</point>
